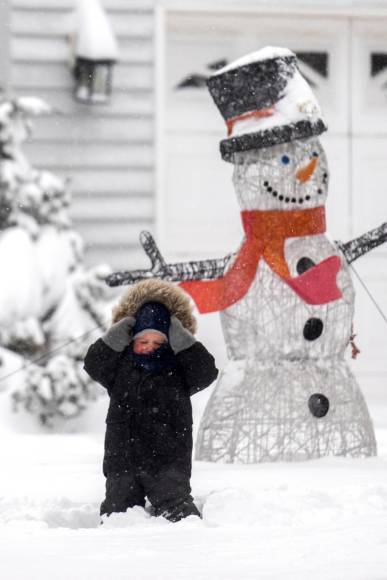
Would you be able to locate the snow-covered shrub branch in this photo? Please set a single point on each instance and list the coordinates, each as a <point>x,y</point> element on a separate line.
<point>47,297</point>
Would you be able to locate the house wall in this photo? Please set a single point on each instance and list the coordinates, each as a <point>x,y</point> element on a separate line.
<point>106,151</point>
<point>4,44</point>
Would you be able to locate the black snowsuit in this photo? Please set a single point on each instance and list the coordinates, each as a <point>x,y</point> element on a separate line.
<point>148,441</point>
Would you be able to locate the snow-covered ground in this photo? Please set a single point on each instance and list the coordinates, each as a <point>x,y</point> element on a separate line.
<point>324,519</point>
<point>320,520</point>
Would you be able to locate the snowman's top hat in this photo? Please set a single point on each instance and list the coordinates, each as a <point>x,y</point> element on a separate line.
<point>265,101</point>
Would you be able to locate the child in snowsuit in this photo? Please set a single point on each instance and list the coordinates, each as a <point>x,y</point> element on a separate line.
<point>150,363</point>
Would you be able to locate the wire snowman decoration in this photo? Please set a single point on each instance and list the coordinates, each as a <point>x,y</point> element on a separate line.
<point>285,298</point>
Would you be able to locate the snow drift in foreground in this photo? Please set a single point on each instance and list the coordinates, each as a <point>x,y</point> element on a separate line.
<point>323,519</point>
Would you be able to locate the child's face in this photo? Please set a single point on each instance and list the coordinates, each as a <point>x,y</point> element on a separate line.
<point>147,342</point>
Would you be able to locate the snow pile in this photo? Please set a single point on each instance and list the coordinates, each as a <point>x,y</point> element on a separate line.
<point>284,506</point>
<point>94,37</point>
<point>136,516</point>
<point>322,519</point>
<point>58,513</point>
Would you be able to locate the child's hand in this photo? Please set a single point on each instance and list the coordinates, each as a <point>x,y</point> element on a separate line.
<point>180,337</point>
<point>119,334</point>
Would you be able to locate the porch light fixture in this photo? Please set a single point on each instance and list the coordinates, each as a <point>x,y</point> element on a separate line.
<point>95,52</point>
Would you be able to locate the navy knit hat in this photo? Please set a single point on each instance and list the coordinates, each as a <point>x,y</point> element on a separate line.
<point>152,316</point>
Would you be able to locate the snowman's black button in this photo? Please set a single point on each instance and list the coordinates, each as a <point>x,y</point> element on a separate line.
<point>304,264</point>
<point>318,405</point>
<point>313,328</point>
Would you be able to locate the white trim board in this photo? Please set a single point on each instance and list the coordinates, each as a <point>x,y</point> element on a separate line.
<point>159,169</point>
<point>342,8</point>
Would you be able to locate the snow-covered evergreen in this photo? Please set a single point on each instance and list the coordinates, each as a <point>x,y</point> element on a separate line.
<point>49,302</point>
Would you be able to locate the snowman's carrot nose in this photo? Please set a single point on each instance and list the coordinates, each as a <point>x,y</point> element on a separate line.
<point>306,172</point>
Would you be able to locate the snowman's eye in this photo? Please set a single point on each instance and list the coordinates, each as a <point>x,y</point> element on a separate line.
<point>285,159</point>
<point>315,154</point>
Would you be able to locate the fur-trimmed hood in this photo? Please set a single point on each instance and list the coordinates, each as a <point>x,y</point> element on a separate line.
<point>173,297</point>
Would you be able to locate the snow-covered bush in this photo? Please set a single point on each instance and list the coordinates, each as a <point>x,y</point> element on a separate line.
<point>59,389</point>
<point>49,302</point>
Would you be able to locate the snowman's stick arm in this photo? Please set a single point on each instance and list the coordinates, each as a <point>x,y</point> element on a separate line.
<point>178,272</point>
<point>357,247</point>
<point>199,270</point>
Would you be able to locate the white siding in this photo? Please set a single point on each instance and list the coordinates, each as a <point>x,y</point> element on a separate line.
<point>106,151</point>
<point>4,44</point>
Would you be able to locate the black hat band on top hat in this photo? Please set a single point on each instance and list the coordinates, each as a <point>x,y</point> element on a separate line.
<point>270,137</point>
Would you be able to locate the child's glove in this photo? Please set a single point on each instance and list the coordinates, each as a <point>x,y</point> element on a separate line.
<point>119,334</point>
<point>180,337</point>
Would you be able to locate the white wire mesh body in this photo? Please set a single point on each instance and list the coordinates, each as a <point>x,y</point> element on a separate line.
<point>259,410</point>
<point>287,392</point>
<point>265,415</point>
<point>268,323</point>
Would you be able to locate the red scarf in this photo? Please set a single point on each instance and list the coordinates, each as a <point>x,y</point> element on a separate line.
<point>266,232</point>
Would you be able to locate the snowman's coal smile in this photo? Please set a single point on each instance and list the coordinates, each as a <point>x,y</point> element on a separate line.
<point>274,193</point>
